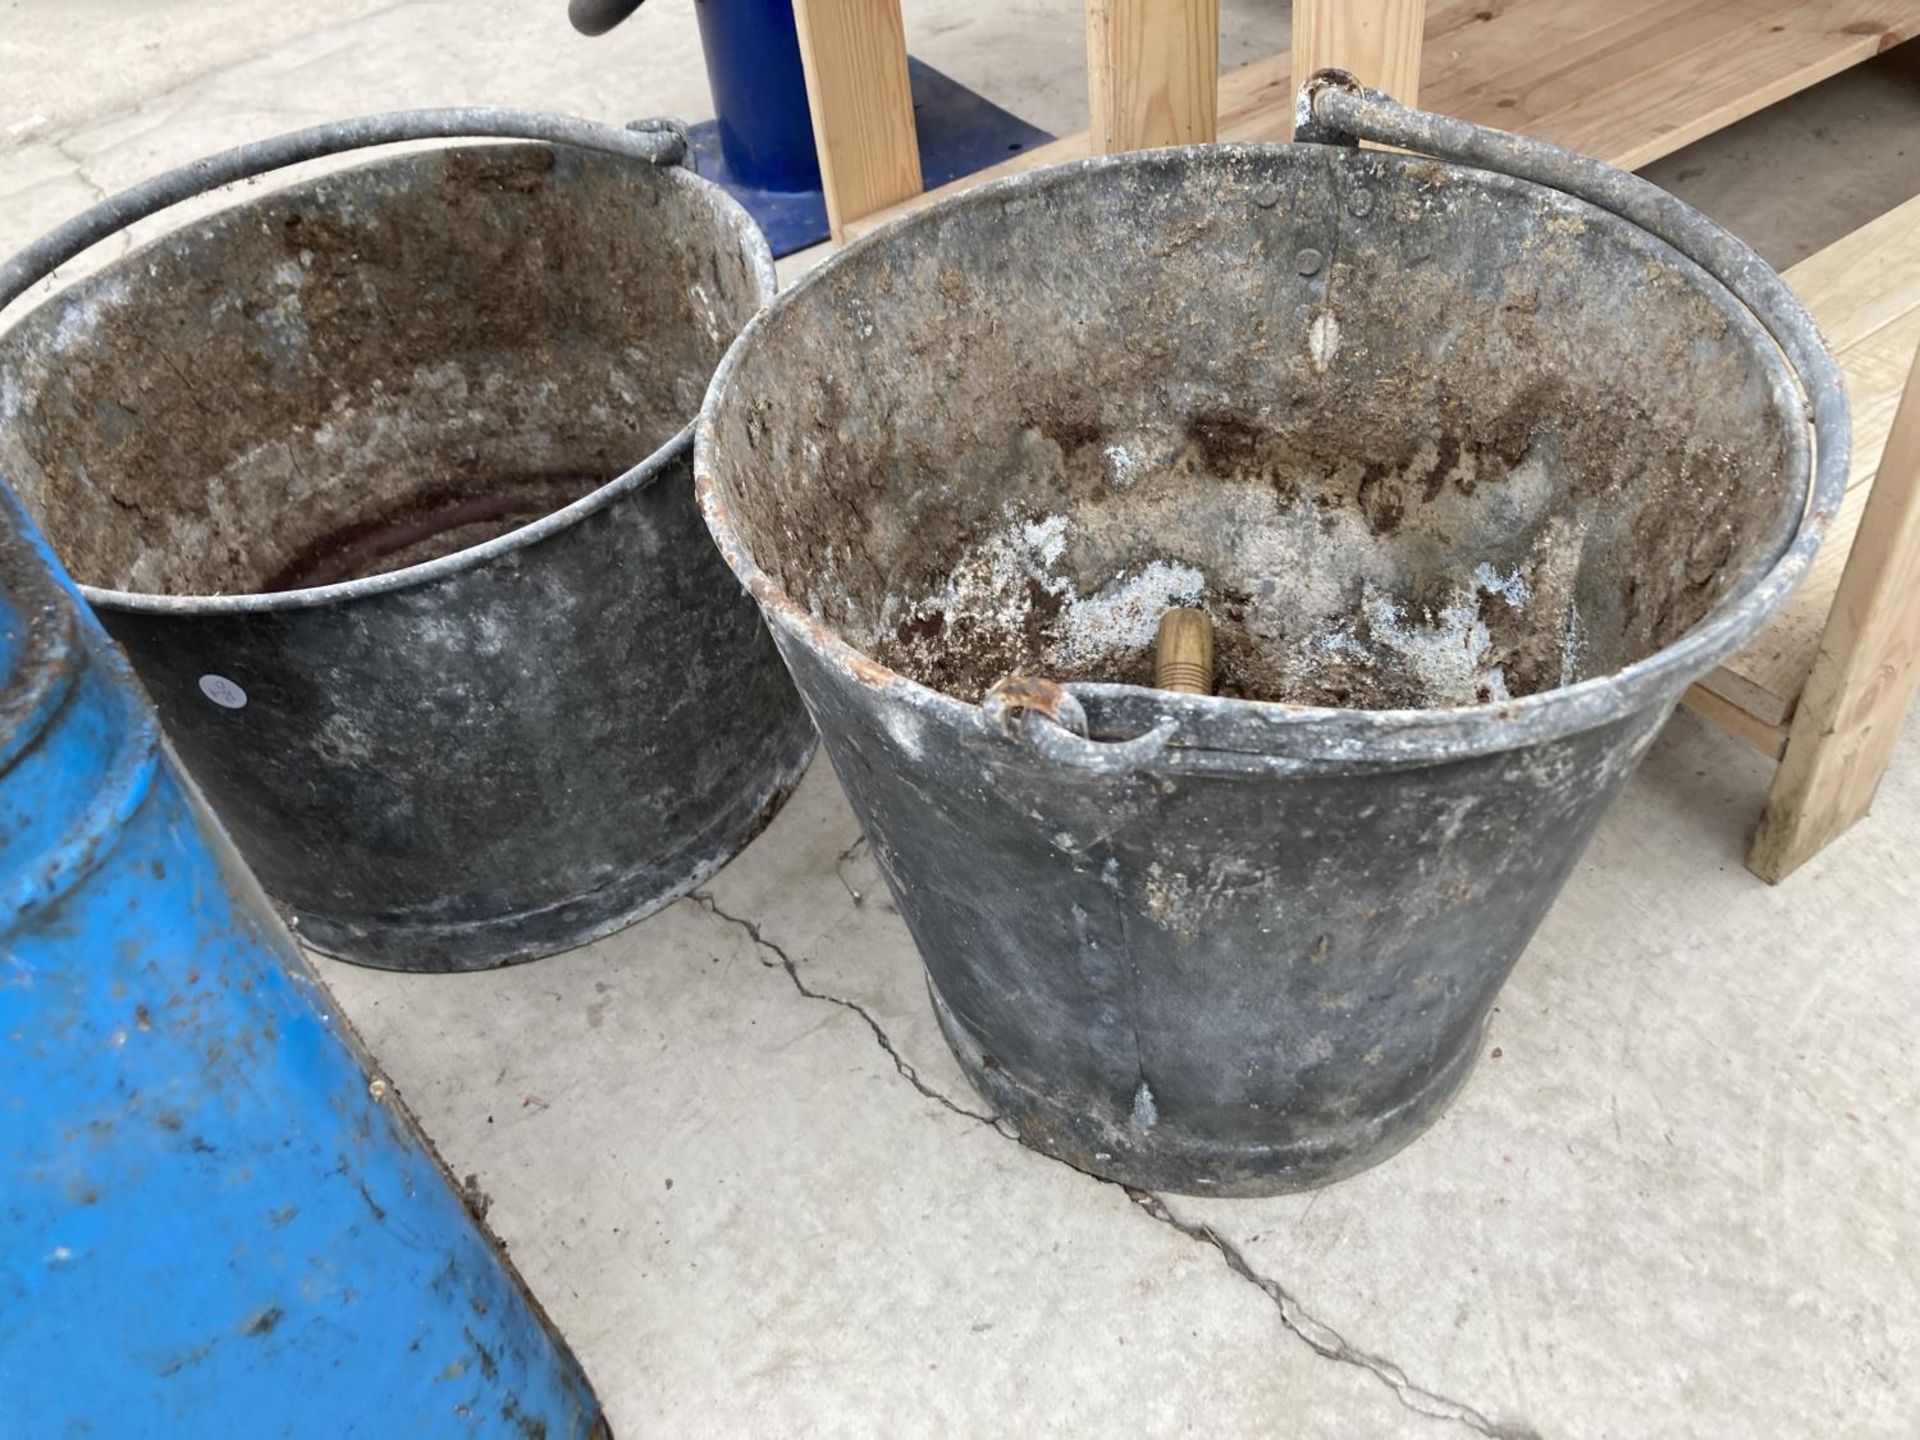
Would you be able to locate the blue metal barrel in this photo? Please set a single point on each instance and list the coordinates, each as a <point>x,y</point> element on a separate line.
<point>214,1220</point>
<point>759,92</point>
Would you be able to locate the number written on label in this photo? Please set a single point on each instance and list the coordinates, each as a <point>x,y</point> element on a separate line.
<point>223,692</point>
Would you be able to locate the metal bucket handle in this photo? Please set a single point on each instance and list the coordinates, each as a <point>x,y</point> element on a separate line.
<point>1333,108</point>
<point>652,142</point>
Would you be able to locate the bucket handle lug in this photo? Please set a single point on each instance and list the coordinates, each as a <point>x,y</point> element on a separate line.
<point>1309,126</point>
<point>649,142</point>
<point>676,140</point>
<point>1050,718</point>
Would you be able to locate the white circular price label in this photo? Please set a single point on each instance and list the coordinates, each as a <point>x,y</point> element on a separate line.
<point>223,692</point>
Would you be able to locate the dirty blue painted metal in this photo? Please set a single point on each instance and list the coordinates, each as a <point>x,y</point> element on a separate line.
<point>214,1219</point>
<point>761,117</point>
<point>960,130</point>
<point>759,145</point>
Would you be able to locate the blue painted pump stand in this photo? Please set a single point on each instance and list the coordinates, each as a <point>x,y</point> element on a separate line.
<point>762,126</point>
<point>960,130</point>
<point>213,1221</point>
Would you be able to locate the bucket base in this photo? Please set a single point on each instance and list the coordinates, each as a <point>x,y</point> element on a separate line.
<point>1164,1159</point>
<point>488,944</point>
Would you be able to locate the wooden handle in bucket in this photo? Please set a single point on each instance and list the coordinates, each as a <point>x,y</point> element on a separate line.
<point>1183,653</point>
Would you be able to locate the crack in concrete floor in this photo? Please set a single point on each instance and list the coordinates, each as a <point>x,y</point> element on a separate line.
<point>60,146</point>
<point>782,961</point>
<point>859,897</point>
<point>1309,1329</point>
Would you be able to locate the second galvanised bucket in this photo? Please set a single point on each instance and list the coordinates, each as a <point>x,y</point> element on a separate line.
<point>383,479</point>
<point>1476,456</point>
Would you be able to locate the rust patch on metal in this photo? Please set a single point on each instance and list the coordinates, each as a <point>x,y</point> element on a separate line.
<point>1021,693</point>
<point>869,672</point>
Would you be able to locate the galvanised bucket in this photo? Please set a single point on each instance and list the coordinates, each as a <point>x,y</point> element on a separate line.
<point>384,481</point>
<point>218,1219</point>
<point>1476,461</point>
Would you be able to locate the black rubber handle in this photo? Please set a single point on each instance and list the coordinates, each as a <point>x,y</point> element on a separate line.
<point>596,17</point>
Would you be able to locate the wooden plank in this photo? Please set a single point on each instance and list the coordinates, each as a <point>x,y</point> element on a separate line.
<point>1864,290</point>
<point>1458,65</point>
<point>1677,95</point>
<point>855,56</point>
<point>1767,677</point>
<point>1617,43</point>
<point>1863,681</point>
<point>1251,96</point>
<point>1601,76</point>
<point>1153,70</point>
<point>1876,370</point>
<point>1769,740</point>
<point>1379,41</point>
<point>1867,279</point>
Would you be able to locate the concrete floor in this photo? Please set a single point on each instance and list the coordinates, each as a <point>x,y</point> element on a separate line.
<point>730,1152</point>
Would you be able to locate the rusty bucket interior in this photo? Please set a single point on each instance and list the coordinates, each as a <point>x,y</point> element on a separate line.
<point>365,371</point>
<point>1414,436</point>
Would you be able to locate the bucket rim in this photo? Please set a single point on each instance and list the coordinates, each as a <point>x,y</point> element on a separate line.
<point>1257,733</point>
<point>407,577</point>
<point>37,676</point>
<point>730,215</point>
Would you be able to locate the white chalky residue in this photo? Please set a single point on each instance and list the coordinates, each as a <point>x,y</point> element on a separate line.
<point>1081,933</point>
<point>1126,614</point>
<point>1323,340</point>
<point>708,316</point>
<point>344,742</point>
<point>1573,647</point>
<point>1338,642</point>
<point>1046,539</point>
<point>1453,818</point>
<point>1145,1114</point>
<point>992,586</point>
<point>1513,588</point>
<point>1448,656</point>
<point>80,320</point>
<point>1124,465</point>
<point>904,727</point>
<point>285,318</point>
<point>989,584</point>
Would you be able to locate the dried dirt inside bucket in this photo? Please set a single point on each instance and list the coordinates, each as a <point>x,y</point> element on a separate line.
<point>427,527</point>
<point>1075,590</point>
<point>1486,443</point>
<point>387,365</point>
